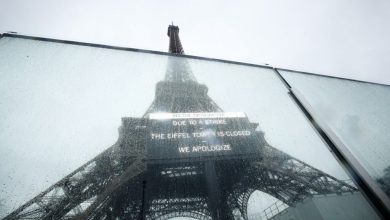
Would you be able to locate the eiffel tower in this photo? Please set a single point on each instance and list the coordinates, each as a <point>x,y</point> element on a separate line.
<point>149,174</point>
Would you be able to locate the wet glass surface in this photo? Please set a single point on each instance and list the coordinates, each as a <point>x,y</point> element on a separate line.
<point>358,113</point>
<point>197,138</point>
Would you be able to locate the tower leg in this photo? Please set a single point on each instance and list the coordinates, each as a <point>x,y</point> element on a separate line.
<point>217,203</point>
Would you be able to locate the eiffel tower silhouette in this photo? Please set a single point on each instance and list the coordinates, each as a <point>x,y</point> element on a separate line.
<point>205,167</point>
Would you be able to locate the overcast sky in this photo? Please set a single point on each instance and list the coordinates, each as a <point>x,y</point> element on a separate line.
<point>345,38</point>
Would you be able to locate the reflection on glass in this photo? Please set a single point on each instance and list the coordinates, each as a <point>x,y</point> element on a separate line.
<point>219,141</point>
<point>359,115</point>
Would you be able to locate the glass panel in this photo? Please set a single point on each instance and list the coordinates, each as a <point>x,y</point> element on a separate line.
<point>359,115</point>
<point>198,139</point>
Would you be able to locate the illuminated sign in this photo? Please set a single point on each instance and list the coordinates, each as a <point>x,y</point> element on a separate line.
<point>203,134</point>
<point>164,115</point>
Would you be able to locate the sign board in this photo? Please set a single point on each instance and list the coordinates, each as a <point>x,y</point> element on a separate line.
<point>202,134</point>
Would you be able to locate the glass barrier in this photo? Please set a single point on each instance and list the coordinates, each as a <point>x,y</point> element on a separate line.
<point>357,112</point>
<point>197,139</point>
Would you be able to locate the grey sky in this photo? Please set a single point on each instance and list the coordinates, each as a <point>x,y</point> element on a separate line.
<point>346,38</point>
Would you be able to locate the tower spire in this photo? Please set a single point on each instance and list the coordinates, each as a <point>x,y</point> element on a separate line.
<point>179,91</point>
<point>178,69</point>
<point>174,40</point>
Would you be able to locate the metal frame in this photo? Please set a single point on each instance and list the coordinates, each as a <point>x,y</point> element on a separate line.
<point>333,77</point>
<point>264,65</point>
<point>132,49</point>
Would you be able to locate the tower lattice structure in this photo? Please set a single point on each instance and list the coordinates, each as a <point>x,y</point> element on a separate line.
<point>124,183</point>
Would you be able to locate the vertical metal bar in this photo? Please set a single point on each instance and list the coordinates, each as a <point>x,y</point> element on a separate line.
<point>142,215</point>
<point>213,189</point>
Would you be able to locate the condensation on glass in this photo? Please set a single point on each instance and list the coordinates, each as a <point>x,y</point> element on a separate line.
<point>197,139</point>
<point>357,112</point>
